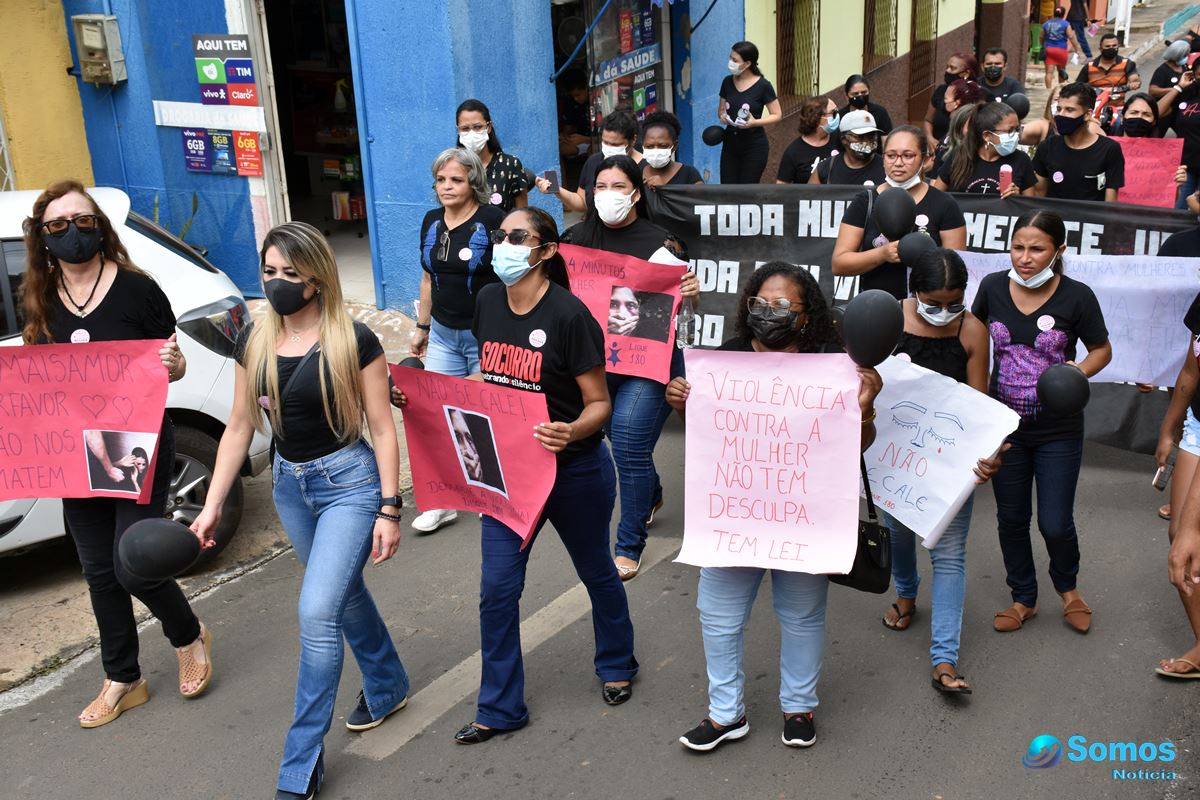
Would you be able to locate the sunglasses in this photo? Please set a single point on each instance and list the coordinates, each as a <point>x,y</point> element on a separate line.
<point>515,236</point>
<point>443,251</point>
<point>83,222</point>
<point>953,308</point>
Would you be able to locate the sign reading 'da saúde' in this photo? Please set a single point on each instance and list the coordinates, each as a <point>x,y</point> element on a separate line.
<point>772,469</point>
<point>225,70</point>
<point>634,301</point>
<point>80,420</point>
<point>471,447</point>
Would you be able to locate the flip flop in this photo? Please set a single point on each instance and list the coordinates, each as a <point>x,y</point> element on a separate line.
<point>1191,675</point>
<point>940,685</point>
<point>1164,512</point>
<point>900,617</point>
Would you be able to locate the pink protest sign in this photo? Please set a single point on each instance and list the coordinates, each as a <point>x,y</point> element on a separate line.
<point>471,447</point>
<point>635,302</point>
<point>80,420</point>
<point>772,472</point>
<point>1150,166</point>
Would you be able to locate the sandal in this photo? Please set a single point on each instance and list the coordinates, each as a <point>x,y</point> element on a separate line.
<point>1191,675</point>
<point>1013,618</point>
<point>1164,512</point>
<point>191,670</point>
<point>943,671</point>
<point>102,713</point>
<point>899,623</point>
<point>627,572</point>
<point>1078,615</point>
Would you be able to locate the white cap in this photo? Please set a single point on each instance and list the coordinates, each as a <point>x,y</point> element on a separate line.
<point>859,122</point>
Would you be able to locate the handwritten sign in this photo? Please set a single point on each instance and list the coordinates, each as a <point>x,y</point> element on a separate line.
<point>80,420</point>
<point>471,447</point>
<point>929,433</point>
<point>1143,299</point>
<point>1150,166</point>
<point>634,301</point>
<point>772,472</point>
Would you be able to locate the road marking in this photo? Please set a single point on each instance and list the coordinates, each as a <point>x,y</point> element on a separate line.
<point>431,703</point>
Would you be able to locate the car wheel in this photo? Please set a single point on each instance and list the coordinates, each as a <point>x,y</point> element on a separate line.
<point>195,459</point>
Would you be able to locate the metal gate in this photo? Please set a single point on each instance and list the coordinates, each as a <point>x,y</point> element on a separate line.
<point>798,33</point>
<point>7,181</point>
<point>879,33</point>
<point>922,69</point>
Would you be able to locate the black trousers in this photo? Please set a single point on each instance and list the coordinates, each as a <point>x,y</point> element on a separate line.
<point>744,155</point>
<point>96,525</point>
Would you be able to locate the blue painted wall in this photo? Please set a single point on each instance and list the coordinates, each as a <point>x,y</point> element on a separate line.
<point>129,151</point>
<point>703,57</point>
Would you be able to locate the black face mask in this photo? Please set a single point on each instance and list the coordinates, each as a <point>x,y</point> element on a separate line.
<point>1068,125</point>
<point>993,73</point>
<point>286,297</point>
<point>773,333</point>
<point>860,101</point>
<point>73,245</point>
<point>950,77</point>
<point>1138,128</point>
<point>1109,54</point>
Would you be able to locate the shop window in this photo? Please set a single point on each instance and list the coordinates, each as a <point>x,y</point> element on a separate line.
<point>922,68</point>
<point>798,35</point>
<point>879,33</point>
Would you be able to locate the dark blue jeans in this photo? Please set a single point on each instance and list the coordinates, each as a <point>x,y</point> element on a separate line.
<point>580,508</point>
<point>639,412</point>
<point>1055,466</point>
<point>1080,26</point>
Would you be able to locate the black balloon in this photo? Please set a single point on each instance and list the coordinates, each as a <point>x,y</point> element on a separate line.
<point>156,549</point>
<point>1063,390</point>
<point>895,213</point>
<point>412,361</point>
<point>1018,103</point>
<point>871,326</point>
<point>914,245</point>
<point>713,135</point>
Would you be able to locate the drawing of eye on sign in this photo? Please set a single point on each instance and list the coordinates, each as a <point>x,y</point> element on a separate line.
<point>929,434</point>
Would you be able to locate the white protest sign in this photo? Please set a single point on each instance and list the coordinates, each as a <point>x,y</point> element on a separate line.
<point>929,432</point>
<point>1143,299</point>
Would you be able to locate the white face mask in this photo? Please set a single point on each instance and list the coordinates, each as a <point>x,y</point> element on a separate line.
<point>736,68</point>
<point>473,140</point>
<point>608,150</point>
<point>613,206</point>
<point>1034,282</point>
<point>941,318</point>
<point>657,157</point>
<point>908,184</point>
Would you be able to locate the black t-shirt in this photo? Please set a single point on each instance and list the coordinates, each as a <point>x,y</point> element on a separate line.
<point>1025,345</point>
<point>467,266</point>
<point>800,157</point>
<point>640,238</point>
<point>1082,174</point>
<point>936,212</point>
<point>134,308</point>
<point>543,351</point>
<point>587,173</point>
<point>1164,77</point>
<point>941,119</point>
<point>1186,122</point>
<point>1001,92</point>
<point>834,170</point>
<point>302,411</point>
<point>883,120</point>
<point>749,103</point>
<point>1078,10</point>
<point>686,174</point>
<point>506,179</point>
<point>1184,244</point>
<point>985,177</point>
<point>1192,320</point>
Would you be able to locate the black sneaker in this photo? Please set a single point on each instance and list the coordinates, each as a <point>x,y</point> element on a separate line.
<point>705,736</point>
<point>799,731</point>
<point>360,718</point>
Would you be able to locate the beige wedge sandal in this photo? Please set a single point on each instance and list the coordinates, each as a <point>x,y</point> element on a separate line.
<point>102,713</point>
<point>191,670</point>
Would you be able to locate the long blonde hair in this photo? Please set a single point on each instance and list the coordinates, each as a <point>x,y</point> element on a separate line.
<point>307,252</point>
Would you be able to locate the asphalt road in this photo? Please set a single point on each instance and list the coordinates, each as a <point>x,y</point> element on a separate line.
<point>882,730</point>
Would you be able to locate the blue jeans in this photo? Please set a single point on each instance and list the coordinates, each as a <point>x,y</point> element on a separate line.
<point>327,507</point>
<point>639,412</point>
<point>1189,187</point>
<point>725,597</point>
<point>949,557</point>
<point>451,351</point>
<point>1055,466</point>
<point>1080,26</point>
<point>580,509</point>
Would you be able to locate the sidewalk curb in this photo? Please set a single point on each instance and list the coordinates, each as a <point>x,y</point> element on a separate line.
<point>1162,34</point>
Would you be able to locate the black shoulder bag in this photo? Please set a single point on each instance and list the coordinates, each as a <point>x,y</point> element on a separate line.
<point>872,570</point>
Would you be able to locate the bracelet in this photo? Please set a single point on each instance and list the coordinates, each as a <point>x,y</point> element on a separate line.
<point>423,327</point>
<point>871,418</point>
<point>387,516</point>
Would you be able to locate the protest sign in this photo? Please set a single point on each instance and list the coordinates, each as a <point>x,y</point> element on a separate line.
<point>1150,166</point>
<point>1143,299</point>
<point>471,447</point>
<point>634,301</point>
<point>930,431</point>
<point>772,472</point>
<point>80,420</point>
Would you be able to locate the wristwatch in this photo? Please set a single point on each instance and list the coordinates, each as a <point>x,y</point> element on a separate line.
<point>391,501</point>
<point>423,327</point>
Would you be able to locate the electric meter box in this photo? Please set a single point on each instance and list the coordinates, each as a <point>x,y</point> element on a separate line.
<point>98,45</point>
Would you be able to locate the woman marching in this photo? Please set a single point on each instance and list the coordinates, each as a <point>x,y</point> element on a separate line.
<point>1036,315</point>
<point>781,310</point>
<point>505,173</point>
<point>80,286</point>
<point>989,150</point>
<point>318,374</point>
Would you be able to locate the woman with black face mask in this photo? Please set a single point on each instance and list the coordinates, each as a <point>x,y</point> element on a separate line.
<point>858,98</point>
<point>80,286</point>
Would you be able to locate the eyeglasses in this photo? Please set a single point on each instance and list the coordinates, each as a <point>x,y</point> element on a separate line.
<point>902,157</point>
<point>515,236</point>
<point>480,128</point>
<point>779,307</point>
<point>83,222</point>
<point>933,308</point>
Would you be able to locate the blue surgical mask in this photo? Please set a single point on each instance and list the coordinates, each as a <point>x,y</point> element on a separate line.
<point>1008,143</point>
<point>834,122</point>
<point>510,262</point>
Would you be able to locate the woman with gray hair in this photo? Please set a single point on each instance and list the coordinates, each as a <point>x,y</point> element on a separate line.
<point>456,262</point>
<point>1168,73</point>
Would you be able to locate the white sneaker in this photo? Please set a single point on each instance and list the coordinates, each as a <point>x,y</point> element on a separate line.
<point>430,521</point>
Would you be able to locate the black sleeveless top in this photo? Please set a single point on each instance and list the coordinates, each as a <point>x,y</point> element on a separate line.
<point>943,354</point>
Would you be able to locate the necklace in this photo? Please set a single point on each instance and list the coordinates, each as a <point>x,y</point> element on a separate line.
<point>79,308</point>
<point>295,335</point>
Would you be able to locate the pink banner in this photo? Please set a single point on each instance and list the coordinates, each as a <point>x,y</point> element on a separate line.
<point>1150,166</point>
<point>635,302</point>
<point>80,420</point>
<point>471,447</point>
<point>772,471</point>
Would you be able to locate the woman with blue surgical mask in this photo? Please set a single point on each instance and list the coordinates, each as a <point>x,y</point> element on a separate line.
<point>820,123</point>
<point>618,137</point>
<point>988,161</point>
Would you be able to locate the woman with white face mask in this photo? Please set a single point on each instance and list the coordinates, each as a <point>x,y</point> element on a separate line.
<point>861,249</point>
<point>506,175</point>
<point>617,224</point>
<point>989,150</point>
<point>618,137</point>
<point>1036,316</point>
<point>940,335</point>
<point>660,148</point>
<point>743,97</point>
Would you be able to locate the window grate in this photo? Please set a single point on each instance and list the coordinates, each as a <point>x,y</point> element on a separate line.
<point>924,46</point>
<point>879,33</point>
<point>7,181</point>
<point>798,35</point>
